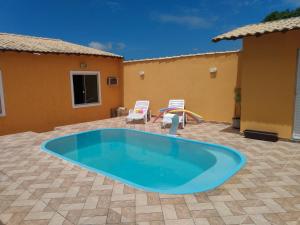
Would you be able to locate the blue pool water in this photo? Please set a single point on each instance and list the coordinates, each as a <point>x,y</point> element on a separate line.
<point>149,161</point>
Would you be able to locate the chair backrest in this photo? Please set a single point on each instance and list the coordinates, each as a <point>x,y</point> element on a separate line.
<point>142,104</point>
<point>176,103</point>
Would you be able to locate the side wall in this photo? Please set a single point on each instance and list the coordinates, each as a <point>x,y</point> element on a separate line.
<point>37,90</point>
<point>209,95</point>
<point>268,75</point>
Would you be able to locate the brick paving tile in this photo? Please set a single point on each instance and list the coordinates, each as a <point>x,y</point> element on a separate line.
<point>37,188</point>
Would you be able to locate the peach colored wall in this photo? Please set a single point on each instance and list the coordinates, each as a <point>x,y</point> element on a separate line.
<point>185,78</point>
<point>268,79</point>
<point>37,90</point>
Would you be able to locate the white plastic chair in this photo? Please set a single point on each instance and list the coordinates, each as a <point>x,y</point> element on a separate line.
<point>178,104</point>
<point>140,111</point>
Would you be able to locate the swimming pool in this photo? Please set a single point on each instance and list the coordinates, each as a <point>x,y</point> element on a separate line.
<point>152,162</point>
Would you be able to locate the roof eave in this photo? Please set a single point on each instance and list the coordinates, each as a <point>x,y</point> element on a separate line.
<point>257,34</point>
<point>59,53</point>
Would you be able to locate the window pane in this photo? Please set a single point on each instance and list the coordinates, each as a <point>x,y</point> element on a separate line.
<point>91,89</point>
<point>78,89</point>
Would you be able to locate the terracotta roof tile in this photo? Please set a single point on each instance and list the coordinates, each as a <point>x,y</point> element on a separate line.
<point>14,42</point>
<point>261,28</point>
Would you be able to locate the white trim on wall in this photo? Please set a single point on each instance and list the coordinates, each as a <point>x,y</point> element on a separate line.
<point>98,86</point>
<point>2,96</point>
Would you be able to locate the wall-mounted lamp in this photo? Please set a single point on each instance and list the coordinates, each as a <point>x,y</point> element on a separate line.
<point>83,65</point>
<point>213,69</point>
<point>142,74</point>
<point>213,72</point>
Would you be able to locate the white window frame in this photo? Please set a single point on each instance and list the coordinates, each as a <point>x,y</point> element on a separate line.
<point>72,73</point>
<point>2,97</point>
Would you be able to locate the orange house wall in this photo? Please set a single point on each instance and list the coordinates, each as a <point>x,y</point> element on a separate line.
<point>268,81</point>
<point>37,90</point>
<point>211,96</point>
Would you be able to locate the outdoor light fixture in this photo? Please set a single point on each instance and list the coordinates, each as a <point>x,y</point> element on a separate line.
<point>83,65</point>
<point>213,69</point>
<point>141,74</point>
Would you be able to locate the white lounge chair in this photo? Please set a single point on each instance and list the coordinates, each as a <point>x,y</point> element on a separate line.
<point>140,112</point>
<point>167,117</point>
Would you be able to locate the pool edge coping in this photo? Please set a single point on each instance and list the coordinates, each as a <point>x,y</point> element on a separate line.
<point>225,178</point>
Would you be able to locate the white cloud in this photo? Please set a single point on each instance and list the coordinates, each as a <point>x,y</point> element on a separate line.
<point>109,46</point>
<point>247,3</point>
<point>293,2</point>
<point>120,46</point>
<point>113,5</point>
<point>184,20</point>
<point>100,46</point>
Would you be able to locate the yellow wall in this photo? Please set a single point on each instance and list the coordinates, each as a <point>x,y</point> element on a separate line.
<point>185,78</point>
<point>268,75</point>
<point>37,90</point>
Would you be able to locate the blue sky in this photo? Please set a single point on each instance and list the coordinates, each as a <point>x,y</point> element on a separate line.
<point>137,28</point>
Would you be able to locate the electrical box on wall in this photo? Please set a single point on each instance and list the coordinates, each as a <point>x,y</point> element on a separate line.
<point>112,81</point>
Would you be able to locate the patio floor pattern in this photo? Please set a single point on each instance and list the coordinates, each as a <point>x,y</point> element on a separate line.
<point>37,188</point>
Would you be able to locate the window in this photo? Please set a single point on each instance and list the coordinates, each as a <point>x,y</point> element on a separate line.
<point>85,89</point>
<point>2,108</point>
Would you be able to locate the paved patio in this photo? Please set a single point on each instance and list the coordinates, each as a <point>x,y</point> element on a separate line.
<point>36,188</point>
